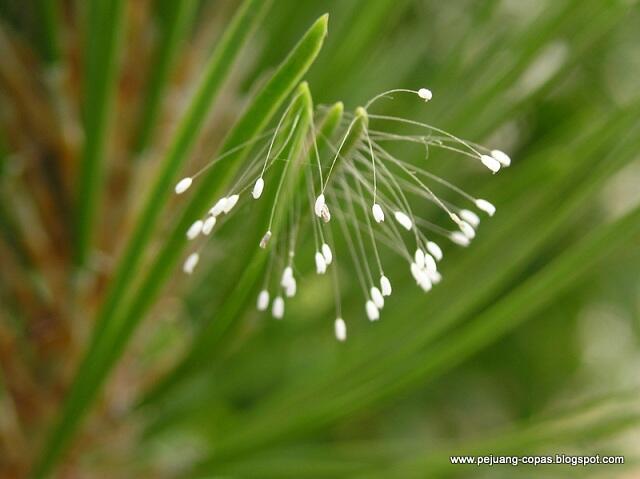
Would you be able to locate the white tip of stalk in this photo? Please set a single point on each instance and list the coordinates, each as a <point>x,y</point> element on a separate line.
<point>378,214</point>
<point>265,240</point>
<point>416,271</point>
<point>434,250</point>
<point>257,188</point>
<point>502,157</point>
<point>434,276</point>
<point>404,220</point>
<point>340,329</point>
<point>372,311</point>
<point>425,94</point>
<point>490,162</point>
<point>190,263</point>
<point>287,276</point>
<point>425,282</point>
<point>326,252</point>
<point>470,217</point>
<point>263,300</point>
<point>430,263</point>
<point>230,203</point>
<point>459,238</point>
<point>321,264</point>
<point>418,258</point>
<point>195,229</point>
<point>208,225</point>
<point>218,207</point>
<point>277,309</point>
<point>318,207</point>
<point>467,229</point>
<point>183,185</point>
<point>485,206</point>
<point>376,297</point>
<point>291,288</point>
<point>325,214</point>
<point>385,286</point>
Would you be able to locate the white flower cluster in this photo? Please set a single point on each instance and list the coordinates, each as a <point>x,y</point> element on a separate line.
<point>359,184</point>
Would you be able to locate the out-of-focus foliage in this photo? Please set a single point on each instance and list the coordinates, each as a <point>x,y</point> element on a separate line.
<point>529,345</point>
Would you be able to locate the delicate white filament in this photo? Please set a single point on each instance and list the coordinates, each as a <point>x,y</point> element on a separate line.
<point>372,311</point>
<point>467,229</point>
<point>470,217</point>
<point>218,207</point>
<point>340,329</point>
<point>404,220</point>
<point>319,205</point>
<point>277,309</point>
<point>326,252</point>
<point>183,185</point>
<point>459,238</point>
<point>435,250</point>
<point>425,94</point>
<point>230,203</point>
<point>190,263</point>
<point>485,206</point>
<point>321,264</point>
<point>490,162</point>
<point>263,300</point>
<point>195,229</point>
<point>208,225</point>
<point>378,214</point>
<point>502,157</point>
<point>257,188</point>
<point>376,297</point>
<point>385,285</point>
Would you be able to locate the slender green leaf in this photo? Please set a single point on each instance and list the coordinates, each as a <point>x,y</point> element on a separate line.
<point>179,16</point>
<point>104,29</point>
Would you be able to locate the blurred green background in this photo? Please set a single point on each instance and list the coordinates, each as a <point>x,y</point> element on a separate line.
<point>529,346</point>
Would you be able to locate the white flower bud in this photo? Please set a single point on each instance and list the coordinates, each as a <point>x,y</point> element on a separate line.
<point>502,157</point>
<point>291,288</point>
<point>277,308</point>
<point>230,203</point>
<point>321,264</point>
<point>470,217</point>
<point>378,214</point>
<point>404,220</point>
<point>490,162</point>
<point>485,206</point>
<point>430,263</point>
<point>340,329</point>
<point>377,297</point>
<point>372,311</point>
<point>265,240</point>
<point>419,258</point>
<point>385,285</point>
<point>287,276</point>
<point>435,250</point>
<point>467,229</point>
<point>326,252</point>
<point>208,225</point>
<point>425,94</point>
<point>218,207</point>
<point>319,206</point>
<point>459,238</point>
<point>190,263</point>
<point>183,185</point>
<point>195,229</point>
<point>263,300</point>
<point>257,188</point>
